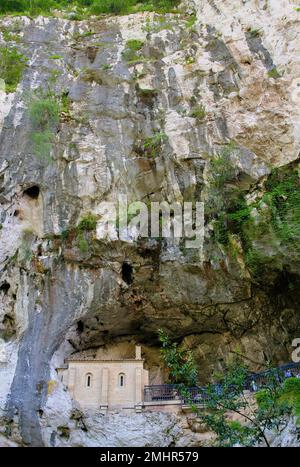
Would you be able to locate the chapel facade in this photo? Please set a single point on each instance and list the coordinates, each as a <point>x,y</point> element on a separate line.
<point>106,384</point>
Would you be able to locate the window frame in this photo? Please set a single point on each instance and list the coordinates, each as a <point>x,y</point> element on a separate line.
<point>88,380</point>
<point>121,379</point>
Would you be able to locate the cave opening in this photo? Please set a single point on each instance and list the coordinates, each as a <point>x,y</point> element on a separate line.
<point>127,273</point>
<point>80,326</point>
<point>285,291</point>
<point>5,287</point>
<point>32,192</point>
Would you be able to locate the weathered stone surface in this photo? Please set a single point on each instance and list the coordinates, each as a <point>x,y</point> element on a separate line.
<point>56,299</point>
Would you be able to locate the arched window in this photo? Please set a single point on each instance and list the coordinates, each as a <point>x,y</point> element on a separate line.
<point>121,380</point>
<point>88,380</point>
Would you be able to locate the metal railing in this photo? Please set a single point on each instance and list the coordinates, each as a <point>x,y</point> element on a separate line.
<point>174,392</point>
<point>161,392</point>
<point>198,395</point>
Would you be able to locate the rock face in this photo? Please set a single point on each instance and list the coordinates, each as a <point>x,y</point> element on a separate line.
<point>197,106</point>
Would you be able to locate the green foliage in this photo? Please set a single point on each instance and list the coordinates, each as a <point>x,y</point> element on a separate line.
<point>273,73</point>
<point>84,8</point>
<point>198,111</point>
<point>44,114</point>
<point>114,7</point>
<point>12,64</point>
<point>283,197</point>
<point>287,396</point>
<point>291,395</point>
<point>87,223</point>
<point>274,219</point>
<point>226,205</point>
<point>152,144</point>
<point>180,362</point>
<point>191,21</point>
<point>44,111</point>
<point>227,397</point>
<point>160,6</point>
<point>254,32</point>
<point>9,35</point>
<point>222,170</point>
<point>106,67</point>
<point>292,385</point>
<point>134,44</point>
<point>43,143</point>
<point>55,57</point>
<point>159,23</point>
<point>83,245</point>
<point>65,104</point>
<point>132,52</point>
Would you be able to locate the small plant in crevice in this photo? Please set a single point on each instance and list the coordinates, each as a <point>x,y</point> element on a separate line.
<point>269,228</point>
<point>274,73</point>
<point>152,145</point>
<point>254,32</point>
<point>87,223</point>
<point>82,243</point>
<point>44,114</point>
<point>198,112</point>
<point>158,24</point>
<point>55,57</point>
<point>190,60</point>
<point>9,35</point>
<point>190,22</point>
<point>12,65</point>
<point>132,51</point>
<point>46,110</point>
<point>106,67</point>
<point>25,250</point>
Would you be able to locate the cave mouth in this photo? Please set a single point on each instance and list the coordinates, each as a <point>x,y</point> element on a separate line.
<point>127,273</point>
<point>5,287</point>
<point>32,192</point>
<point>285,291</point>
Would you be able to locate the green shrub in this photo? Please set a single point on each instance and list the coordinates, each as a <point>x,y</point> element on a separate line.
<point>12,64</point>
<point>43,143</point>
<point>84,8</point>
<point>160,6</point>
<point>131,53</point>
<point>88,223</point>
<point>152,144</point>
<point>191,21</point>
<point>292,385</point>
<point>254,32</point>
<point>10,36</point>
<point>198,112</point>
<point>134,44</point>
<point>55,57</point>
<point>114,7</point>
<point>44,113</point>
<point>83,245</point>
<point>222,170</point>
<point>283,198</point>
<point>273,73</point>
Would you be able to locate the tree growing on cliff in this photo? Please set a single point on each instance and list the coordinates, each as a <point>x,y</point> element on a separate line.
<point>237,417</point>
<point>180,362</point>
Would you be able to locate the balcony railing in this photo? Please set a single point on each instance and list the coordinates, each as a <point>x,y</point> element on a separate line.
<point>197,395</point>
<point>173,392</point>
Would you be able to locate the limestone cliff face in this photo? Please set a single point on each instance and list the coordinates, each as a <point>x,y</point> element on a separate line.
<point>155,119</point>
